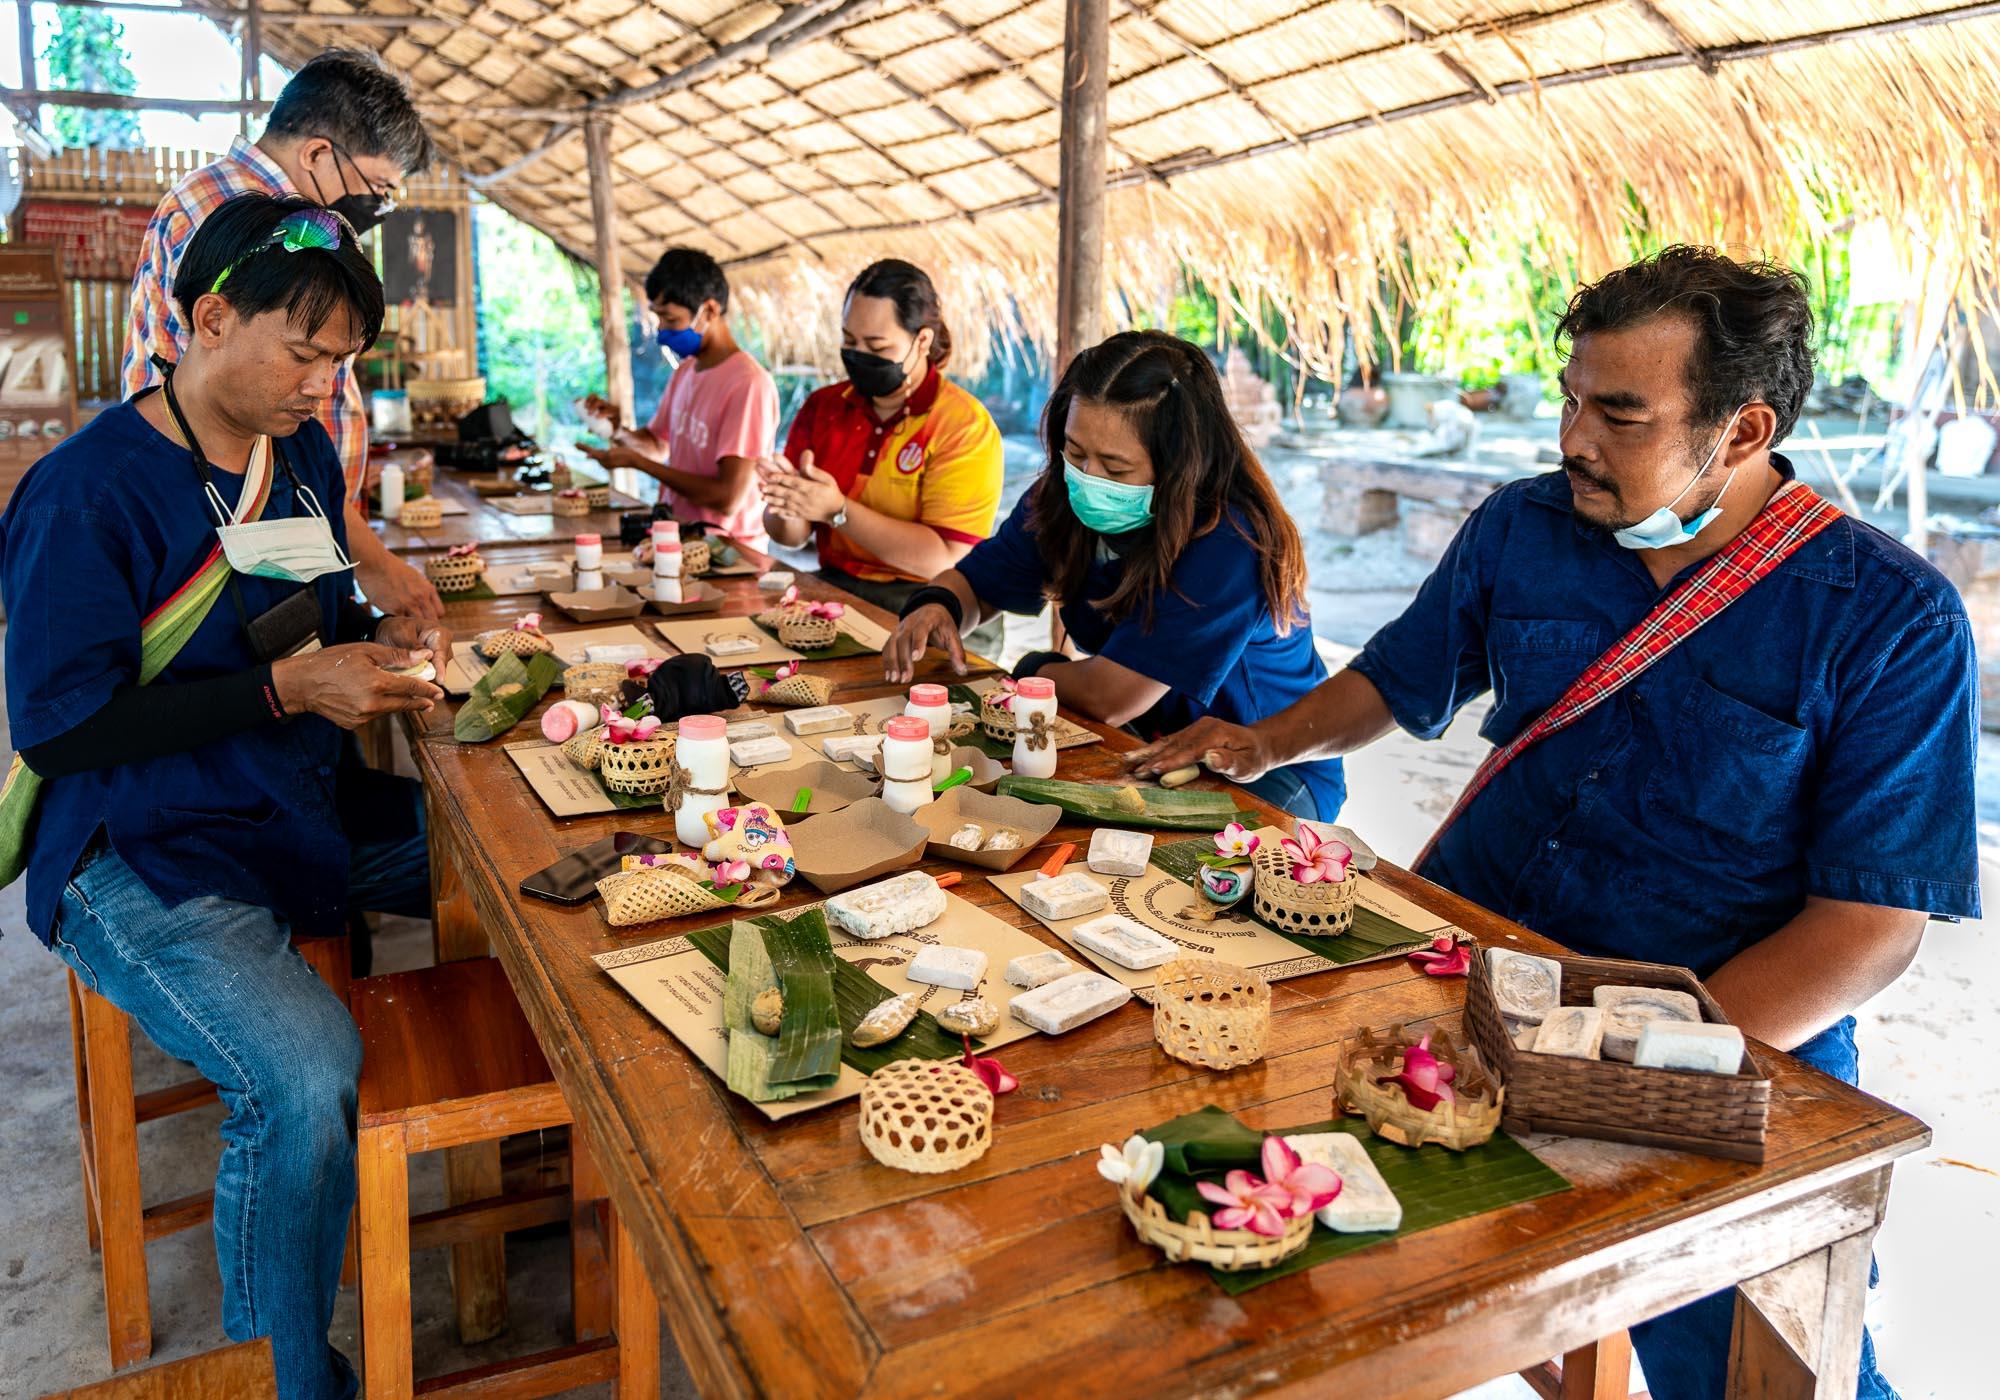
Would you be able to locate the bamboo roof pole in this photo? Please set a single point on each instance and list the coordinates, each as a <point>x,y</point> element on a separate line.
<point>610,280</point>
<point>1080,216</point>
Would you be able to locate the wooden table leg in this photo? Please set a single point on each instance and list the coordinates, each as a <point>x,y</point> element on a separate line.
<point>114,1148</point>
<point>1600,1371</point>
<point>593,1289</point>
<point>1798,1328</point>
<point>382,1171</point>
<point>455,930</point>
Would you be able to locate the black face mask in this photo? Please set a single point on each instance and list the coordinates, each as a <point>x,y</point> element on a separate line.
<point>877,376</point>
<point>363,211</point>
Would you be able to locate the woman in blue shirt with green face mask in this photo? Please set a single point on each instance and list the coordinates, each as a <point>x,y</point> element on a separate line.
<point>1167,552</point>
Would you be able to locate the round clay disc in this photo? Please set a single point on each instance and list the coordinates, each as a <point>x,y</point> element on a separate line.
<point>423,671</point>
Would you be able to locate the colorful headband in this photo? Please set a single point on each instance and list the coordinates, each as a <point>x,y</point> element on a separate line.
<point>297,231</point>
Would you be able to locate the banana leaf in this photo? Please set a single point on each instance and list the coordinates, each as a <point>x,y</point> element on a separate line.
<point>809,1034</point>
<point>507,691</point>
<point>766,1068</point>
<point>1372,936</point>
<point>480,589</point>
<point>1176,809</point>
<point>979,739</point>
<point>843,645</point>
<point>855,994</point>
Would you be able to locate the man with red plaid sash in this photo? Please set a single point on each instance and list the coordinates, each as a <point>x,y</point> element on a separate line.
<point>1735,730</point>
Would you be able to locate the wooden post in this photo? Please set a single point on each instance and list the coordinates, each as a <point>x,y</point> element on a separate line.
<point>610,280</point>
<point>31,75</point>
<point>253,56</point>
<point>1080,221</point>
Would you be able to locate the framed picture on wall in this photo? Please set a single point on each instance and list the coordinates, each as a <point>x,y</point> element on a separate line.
<point>419,256</point>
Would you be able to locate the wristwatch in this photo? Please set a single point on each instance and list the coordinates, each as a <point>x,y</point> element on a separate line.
<point>839,518</point>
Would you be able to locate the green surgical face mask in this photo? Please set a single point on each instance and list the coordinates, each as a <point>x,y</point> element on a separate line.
<point>1106,506</point>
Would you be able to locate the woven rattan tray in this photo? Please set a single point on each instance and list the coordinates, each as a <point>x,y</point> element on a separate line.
<point>1721,1115</point>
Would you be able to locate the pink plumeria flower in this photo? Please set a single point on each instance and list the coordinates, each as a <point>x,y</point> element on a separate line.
<point>1004,698</point>
<point>991,1072</point>
<point>1315,858</point>
<point>1426,1079</point>
<point>644,667</point>
<point>731,872</point>
<point>827,610</point>
<point>789,596</point>
<point>462,551</point>
<point>1235,839</point>
<point>528,622</point>
<point>1310,1186</point>
<point>786,671</point>
<point>1248,1203</point>
<point>1446,957</point>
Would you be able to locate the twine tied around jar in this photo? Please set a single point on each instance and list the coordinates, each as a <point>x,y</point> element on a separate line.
<point>681,785</point>
<point>1038,730</point>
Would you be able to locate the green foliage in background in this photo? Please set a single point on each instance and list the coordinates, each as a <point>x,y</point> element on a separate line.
<point>539,343</point>
<point>87,53</point>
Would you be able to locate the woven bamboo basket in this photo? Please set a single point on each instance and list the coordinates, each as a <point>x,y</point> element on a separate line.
<point>694,558</point>
<point>802,631</point>
<point>661,892</point>
<point>424,513</point>
<point>562,503</point>
<point>926,1116</point>
<point>1211,1013</point>
<point>1467,1120</point>
<point>1290,907</point>
<point>643,769</point>
<point>454,573</point>
<point>1721,1115</point>
<point>1197,1240</point>
<point>997,720</point>
<point>799,691</point>
<point>497,643</point>
<point>561,478</point>
<point>595,682</point>
<point>585,750</point>
<point>597,497</point>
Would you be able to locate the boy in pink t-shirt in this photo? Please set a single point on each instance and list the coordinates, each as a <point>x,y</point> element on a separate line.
<point>718,415</point>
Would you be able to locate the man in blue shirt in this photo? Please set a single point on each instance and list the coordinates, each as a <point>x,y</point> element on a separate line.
<point>1779,801</point>
<point>189,822</point>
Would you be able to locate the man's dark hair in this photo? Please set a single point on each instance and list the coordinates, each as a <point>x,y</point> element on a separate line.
<point>1753,326</point>
<point>307,285</point>
<point>687,277</point>
<point>347,96</point>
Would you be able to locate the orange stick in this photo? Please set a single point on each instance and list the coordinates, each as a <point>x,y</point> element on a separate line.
<point>950,878</point>
<point>1052,867</point>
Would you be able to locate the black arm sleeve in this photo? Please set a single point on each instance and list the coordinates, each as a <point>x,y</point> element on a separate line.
<point>356,622</point>
<point>140,722</point>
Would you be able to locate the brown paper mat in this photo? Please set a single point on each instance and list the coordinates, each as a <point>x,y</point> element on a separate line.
<point>568,790</point>
<point>1160,901</point>
<point>682,990</point>
<point>689,635</point>
<point>467,665</point>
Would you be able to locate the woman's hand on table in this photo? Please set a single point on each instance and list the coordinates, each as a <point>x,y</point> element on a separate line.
<point>349,685</point>
<point>927,627</point>
<point>1228,750</point>
<point>804,493</point>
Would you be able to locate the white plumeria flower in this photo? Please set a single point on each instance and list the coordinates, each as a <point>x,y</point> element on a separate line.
<point>1136,1166</point>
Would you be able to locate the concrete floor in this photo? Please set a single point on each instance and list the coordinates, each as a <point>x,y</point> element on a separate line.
<point>1927,1043</point>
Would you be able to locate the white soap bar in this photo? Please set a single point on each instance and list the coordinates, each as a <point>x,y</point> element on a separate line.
<point>549,568</point>
<point>1071,896</point>
<point>1524,986</point>
<point>1628,1009</point>
<point>777,581</point>
<point>1364,854</point>
<point>1522,1033</point>
<point>1365,1203</point>
<point>1039,969</point>
<point>749,729</point>
<point>1068,1002</point>
<point>850,748</point>
<point>820,719</point>
<point>623,651</point>
<point>731,644</point>
<point>1574,1032</point>
<point>1124,941</point>
<point>901,904</point>
<point>748,753</point>
<point>941,966</point>
<point>1115,852</point>
<point>1696,1045</point>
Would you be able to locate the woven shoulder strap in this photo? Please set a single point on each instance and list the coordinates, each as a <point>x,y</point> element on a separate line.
<point>161,636</point>
<point>1791,517</point>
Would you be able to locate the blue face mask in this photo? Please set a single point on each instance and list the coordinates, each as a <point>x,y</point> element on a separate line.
<point>681,343</point>
<point>1663,529</point>
<point>1106,506</point>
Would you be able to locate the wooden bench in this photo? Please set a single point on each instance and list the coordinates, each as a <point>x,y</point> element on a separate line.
<point>241,1372</point>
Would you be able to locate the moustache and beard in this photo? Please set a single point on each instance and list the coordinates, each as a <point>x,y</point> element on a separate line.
<point>1622,516</point>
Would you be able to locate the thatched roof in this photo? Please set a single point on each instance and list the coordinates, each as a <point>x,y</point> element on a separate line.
<point>1297,151</point>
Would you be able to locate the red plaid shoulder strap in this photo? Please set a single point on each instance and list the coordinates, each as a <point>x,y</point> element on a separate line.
<point>1791,517</point>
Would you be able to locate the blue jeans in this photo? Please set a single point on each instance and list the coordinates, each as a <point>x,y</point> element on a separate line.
<point>217,983</point>
<point>1686,1352</point>
<point>1286,791</point>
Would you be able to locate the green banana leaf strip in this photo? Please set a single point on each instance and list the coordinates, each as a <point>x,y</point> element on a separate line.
<point>1372,936</point>
<point>747,1067</point>
<point>979,738</point>
<point>1167,808</point>
<point>843,645</point>
<point>626,801</point>
<point>809,1033</point>
<point>855,994</point>
<point>480,589</point>
<point>486,714</point>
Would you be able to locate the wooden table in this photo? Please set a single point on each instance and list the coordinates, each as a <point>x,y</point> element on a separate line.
<point>789,1263</point>
<point>490,527</point>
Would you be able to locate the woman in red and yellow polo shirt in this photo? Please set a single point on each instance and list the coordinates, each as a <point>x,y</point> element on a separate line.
<point>897,470</point>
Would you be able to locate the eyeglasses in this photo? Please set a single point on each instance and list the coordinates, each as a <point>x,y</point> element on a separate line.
<point>389,197</point>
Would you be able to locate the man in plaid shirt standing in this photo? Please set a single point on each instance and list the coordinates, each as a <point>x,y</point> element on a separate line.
<point>1775,793</point>
<point>344,134</point>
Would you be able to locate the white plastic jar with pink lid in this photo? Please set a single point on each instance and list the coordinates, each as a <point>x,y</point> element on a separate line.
<point>701,749</point>
<point>589,552</point>
<point>906,763</point>
<point>932,705</point>
<point>1035,696</point>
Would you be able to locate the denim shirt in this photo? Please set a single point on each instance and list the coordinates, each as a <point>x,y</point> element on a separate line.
<point>1211,640</point>
<point>100,532</point>
<point>1815,739</point>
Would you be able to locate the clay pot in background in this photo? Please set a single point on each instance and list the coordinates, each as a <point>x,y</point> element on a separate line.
<point>1363,406</point>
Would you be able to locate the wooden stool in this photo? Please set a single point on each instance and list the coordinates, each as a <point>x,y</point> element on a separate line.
<point>108,1115</point>
<point>448,1061</point>
<point>241,1371</point>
